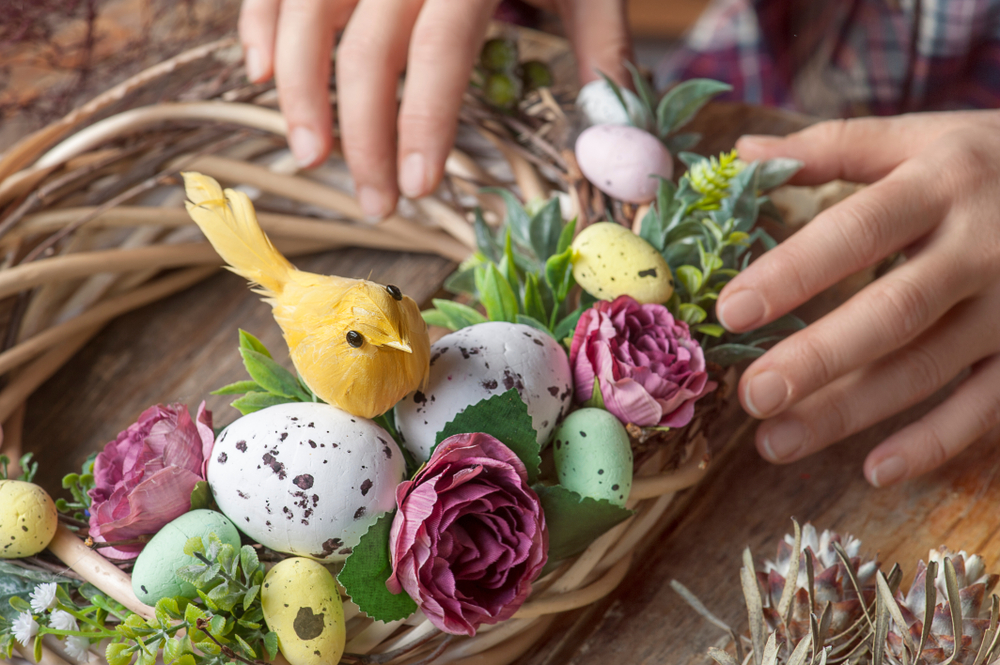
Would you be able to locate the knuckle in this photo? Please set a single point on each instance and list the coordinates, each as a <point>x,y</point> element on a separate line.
<point>901,308</point>
<point>864,230</point>
<point>828,132</point>
<point>925,373</point>
<point>840,416</point>
<point>932,444</point>
<point>822,362</point>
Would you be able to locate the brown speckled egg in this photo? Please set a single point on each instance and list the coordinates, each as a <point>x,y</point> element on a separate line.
<point>305,478</point>
<point>28,519</point>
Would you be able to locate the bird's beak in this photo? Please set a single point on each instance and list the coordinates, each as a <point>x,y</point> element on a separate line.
<point>400,346</point>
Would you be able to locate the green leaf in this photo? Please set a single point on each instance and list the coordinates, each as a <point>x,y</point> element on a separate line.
<point>567,326</point>
<point>366,571</point>
<point>516,218</point>
<point>251,343</point>
<point>172,650</point>
<point>651,228</point>
<point>711,329</point>
<point>508,265</point>
<point>238,388</point>
<point>596,400</point>
<point>642,87</point>
<point>526,320</point>
<point>485,241</point>
<point>118,653</point>
<point>435,317</point>
<point>249,561</point>
<point>691,158</point>
<point>776,172</point>
<point>13,588</point>
<point>616,89</point>
<point>497,296</point>
<point>271,376</point>
<point>461,316</point>
<point>256,401</point>
<point>566,236</point>
<point>201,495</point>
<point>691,314</point>
<point>504,417</point>
<point>691,278</point>
<point>575,521</point>
<point>546,229</point>
<point>271,644</point>
<point>247,650</point>
<point>730,354</point>
<point>462,280</point>
<point>680,142</point>
<point>534,307</point>
<point>742,203</point>
<point>683,102</point>
<point>559,274</point>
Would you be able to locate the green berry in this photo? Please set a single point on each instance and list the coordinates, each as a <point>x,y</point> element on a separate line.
<point>535,75</point>
<point>502,90</point>
<point>499,55</point>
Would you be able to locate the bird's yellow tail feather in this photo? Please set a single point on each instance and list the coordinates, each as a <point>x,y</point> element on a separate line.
<point>229,222</point>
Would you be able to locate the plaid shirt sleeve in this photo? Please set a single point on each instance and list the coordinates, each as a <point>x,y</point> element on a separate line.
<point>842,58</point>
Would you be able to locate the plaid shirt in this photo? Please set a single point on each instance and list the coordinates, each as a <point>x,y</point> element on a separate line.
<point>842,58</point>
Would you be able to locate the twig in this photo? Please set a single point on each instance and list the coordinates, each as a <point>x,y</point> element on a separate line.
<point>202,624</point>
<point>71,521</point>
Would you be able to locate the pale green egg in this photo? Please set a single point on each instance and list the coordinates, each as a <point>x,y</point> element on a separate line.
<point>593,456</point>
<point>302,606</point>
<point>153,576</point>
<point>28,519</point>
<point>610,261</point>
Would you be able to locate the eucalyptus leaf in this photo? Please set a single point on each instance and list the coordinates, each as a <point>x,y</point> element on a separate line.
<point>248,341</point>
<point>691,158</point>
<point>776,172</point>
<point>680,142</point>
<point>683,101</point>
<point>730,354</point>
<point>642,87</point>
<point>741,204</point>
<point>365,572</point>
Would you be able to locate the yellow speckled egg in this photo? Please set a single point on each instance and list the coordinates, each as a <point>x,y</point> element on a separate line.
<point>28,519</point>
<point>302,606</point>
<point>610,261</point>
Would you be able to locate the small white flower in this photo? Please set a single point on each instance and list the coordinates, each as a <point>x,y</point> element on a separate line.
<point>78,648</point>
<point>43,597</point>
<point>25,627</point>
<point>61,620</point>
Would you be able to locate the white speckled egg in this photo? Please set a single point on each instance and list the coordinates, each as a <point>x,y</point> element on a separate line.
<point>599,105</point>
<point>623,162</point>
<point>305,478</point>
<point>478,362</point>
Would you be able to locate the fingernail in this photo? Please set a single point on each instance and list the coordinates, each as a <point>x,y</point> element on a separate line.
<point>254,65</point>
<point>372,203</point>
<point>888,471</point>
<point>412,175</point>
<point>305,146</point>
<point>784,440</point>
<point>765,393</point>
<point>741,310</point>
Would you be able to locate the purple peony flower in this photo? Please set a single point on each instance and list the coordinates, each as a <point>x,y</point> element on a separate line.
<point>649,369</point>
<point>144,478</point>
<point>469,536</point>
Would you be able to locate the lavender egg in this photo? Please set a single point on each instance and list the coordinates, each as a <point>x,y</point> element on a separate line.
<point>478,362</point>
<point>623,162</point>
<point>305,478</point>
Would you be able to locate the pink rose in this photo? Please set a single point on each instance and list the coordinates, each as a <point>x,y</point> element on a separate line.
<point>650,370</point>
<point>144,478</point>
<point>469,536</point>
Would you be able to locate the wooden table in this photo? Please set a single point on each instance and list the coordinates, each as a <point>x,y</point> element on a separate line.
<point>180,348</point>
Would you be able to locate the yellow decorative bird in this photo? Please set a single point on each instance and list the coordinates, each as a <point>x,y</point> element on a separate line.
<point>358,345</point>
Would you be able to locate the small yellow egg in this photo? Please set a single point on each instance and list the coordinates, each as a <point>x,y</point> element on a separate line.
<point>302,606</point>
<point>28,519</point>
<point>610,261</point>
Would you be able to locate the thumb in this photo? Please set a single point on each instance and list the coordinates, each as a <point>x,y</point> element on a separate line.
<point>858,150</point>
<point>598,30</point>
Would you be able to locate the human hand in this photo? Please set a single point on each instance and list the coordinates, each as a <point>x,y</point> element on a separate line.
<point>935,196</point>
<point>436,41</point>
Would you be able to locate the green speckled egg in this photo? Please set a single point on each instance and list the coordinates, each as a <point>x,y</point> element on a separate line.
<point>153,577</point>
<point>28,519</point>
<point>610,261</point>
<point>593,456</point>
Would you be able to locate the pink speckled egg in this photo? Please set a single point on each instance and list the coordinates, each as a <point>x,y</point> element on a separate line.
<point>623,162</point>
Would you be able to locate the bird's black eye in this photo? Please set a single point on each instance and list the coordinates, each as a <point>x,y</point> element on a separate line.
<point>394,292</point>
<point>354,338</point>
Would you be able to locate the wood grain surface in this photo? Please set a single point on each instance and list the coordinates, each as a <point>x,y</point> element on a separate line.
<point>182,347</point>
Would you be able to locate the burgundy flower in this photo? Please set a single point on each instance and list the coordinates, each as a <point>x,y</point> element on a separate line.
<point>650,370</point>
<point>469,536</point>
<point>144,478</point>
